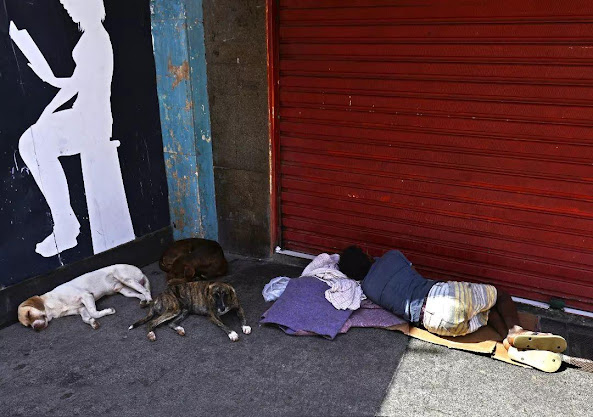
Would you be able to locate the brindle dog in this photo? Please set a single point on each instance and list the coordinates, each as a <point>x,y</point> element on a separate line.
<point>187,259</point>
<point>212,299</point>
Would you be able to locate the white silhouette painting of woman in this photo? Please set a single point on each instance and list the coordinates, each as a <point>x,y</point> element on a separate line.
<point>84,129</point>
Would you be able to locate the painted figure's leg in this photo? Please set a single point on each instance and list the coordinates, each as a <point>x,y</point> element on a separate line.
<point>51,180</point>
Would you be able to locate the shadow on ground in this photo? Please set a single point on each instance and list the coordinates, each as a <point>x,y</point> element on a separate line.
<point>70,369</point>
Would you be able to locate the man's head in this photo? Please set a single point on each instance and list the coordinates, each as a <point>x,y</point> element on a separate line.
<point>355,263</point>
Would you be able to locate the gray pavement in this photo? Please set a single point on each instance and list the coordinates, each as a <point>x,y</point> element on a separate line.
<point>433,380</point>
<point>69,369</point>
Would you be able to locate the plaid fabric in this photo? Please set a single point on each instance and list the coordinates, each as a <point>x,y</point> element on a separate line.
<point>458,308</point>
<point>344,293</point>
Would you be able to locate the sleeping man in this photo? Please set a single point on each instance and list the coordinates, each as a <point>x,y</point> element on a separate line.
<point>448,308</point>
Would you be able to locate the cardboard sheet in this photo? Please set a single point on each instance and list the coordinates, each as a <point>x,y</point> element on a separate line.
<point>485,340</point>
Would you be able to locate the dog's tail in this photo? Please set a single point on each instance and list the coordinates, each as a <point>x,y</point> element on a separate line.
<point>140,322</point>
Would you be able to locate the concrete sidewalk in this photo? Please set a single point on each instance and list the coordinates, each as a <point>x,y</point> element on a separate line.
<point>435,381</point>
<point>69,369</point>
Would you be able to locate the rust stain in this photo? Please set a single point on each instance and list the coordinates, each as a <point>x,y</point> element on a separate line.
<point>181,188</point>
<point>180,73</point>
<point>188,105</point>
<point>179,214</point>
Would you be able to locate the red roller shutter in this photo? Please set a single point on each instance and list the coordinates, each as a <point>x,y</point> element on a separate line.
<point>460,132</point>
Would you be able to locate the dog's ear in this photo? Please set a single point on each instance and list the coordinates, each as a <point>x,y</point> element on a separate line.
<point>24,311</point>
<point>211,287</point>
<point>188,272</point>
<point>25,316</point>
<point>210,291</point>
<point>233,296</point>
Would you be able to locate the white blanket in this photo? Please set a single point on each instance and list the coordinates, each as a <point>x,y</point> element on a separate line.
<point>344,293</point>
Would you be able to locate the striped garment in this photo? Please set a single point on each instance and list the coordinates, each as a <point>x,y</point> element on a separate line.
<point>458,308</point>
<point>344,293</point>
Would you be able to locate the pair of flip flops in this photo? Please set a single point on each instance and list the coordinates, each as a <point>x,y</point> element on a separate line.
<point>542,351</point>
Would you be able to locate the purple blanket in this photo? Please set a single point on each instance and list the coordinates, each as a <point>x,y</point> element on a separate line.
<point>303,307</point>
<point>372,315</point>
<point>368,315</point>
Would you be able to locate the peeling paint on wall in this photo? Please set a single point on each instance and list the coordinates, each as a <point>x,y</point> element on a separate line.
<point>185,116</point>
<point>180,73</point>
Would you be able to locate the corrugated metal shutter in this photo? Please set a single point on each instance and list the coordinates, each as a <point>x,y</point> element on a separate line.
<point>460,132</point>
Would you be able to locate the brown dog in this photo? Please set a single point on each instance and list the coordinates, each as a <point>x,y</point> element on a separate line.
<point>187,259</point>
<point>212,299</point>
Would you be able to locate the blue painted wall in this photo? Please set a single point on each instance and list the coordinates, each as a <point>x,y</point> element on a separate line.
<point>178,41</point>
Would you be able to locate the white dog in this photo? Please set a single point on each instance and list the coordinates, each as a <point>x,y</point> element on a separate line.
<point>79,295</point>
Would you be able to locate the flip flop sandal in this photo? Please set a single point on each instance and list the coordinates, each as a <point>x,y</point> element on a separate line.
<point>538,341</point>
<point>543,360</point>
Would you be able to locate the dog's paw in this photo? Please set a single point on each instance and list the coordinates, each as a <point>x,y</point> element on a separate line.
<point>180,330</point>
<point>94,324</point>
<point>110,310</point>
<point>246,329</point>
<point>151,336</point>
<point>233,336</point>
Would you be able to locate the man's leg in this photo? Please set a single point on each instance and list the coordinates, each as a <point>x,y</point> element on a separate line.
<point>496,322</point>
<point>504,316</point>
<point>506,322</point>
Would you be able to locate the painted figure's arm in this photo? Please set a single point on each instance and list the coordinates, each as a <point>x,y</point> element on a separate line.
<point>36,59</point>
<point>60,98</point>
<point>69,87</point>
<point>49,77</point>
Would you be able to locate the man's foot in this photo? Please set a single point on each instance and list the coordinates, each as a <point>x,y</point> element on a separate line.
<point>525,339</point>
